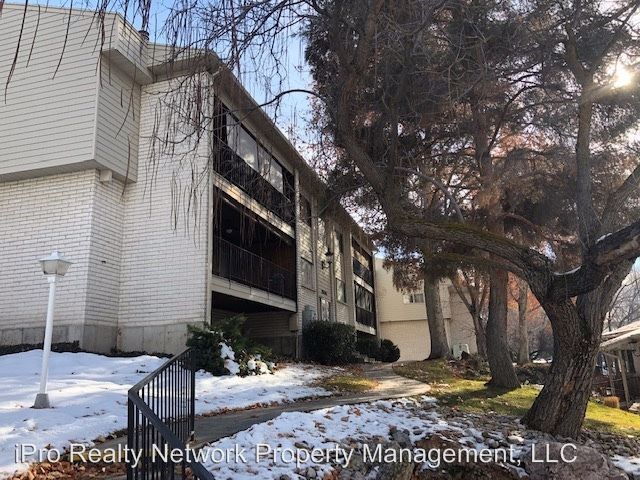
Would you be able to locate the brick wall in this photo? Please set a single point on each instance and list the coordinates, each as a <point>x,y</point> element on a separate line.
<point>38,216</point>
<point>164,269</point>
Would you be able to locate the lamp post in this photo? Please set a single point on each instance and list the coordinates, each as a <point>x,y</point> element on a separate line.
<point>54,266</point>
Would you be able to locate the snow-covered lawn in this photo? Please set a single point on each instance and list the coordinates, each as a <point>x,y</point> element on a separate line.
<point>89,396</point>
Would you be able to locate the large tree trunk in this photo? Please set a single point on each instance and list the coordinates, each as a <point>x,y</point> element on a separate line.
<point>435,318</point>
<point>523,331</point>
<point>561,405</point>
<point>502,372</point>
<point>577,331</point>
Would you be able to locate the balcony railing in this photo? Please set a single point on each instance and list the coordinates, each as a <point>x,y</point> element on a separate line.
<point>363,272</point>
<point>365,317</point>
<point>243,266</point>
<point>232,167</point>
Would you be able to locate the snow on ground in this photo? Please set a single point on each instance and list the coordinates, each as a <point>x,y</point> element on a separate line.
<point>321,429</point>
<point>283,447</point>
<point>631,465</point>
<point>89,396</point>
<point>285,385</point>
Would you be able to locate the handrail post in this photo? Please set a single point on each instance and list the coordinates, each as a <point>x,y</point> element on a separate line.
<point>192,413</point>
<point>131,432</point>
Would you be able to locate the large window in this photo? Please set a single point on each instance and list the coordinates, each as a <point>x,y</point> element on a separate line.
<point>256,156</point>
<point>364,298</point>
<point>306,268</point>
<point>413,298</point>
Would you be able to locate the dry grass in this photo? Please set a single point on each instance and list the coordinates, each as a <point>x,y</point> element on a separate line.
<point>475,396</point>
<point>348,383</point>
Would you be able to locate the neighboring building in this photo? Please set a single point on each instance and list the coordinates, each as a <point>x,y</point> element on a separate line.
<point>82,172</point>
<point>402,317</point>
<point>618,371</point>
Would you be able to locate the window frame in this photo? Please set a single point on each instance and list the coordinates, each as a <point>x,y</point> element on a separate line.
<point>342,290</point>
<point>304,263</point>
<point>325,302</point>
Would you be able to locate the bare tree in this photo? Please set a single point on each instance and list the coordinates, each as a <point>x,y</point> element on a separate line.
<point>473,289</point>
<point>625,307</point>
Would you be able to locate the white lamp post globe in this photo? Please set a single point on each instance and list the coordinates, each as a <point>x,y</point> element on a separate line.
<point>54,266</point>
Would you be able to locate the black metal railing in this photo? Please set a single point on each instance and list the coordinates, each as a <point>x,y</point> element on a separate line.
<point>161,414</point>
<point>232,167</point>
<point>243,266</point>
<point>365,317</point>
<point>363,272</point>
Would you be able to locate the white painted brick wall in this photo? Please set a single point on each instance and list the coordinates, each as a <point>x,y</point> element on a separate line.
<point>38,216</point>
<point>164,269</point>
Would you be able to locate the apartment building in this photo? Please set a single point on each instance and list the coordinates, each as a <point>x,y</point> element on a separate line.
<point>166,223</point>
<point>402,317</point>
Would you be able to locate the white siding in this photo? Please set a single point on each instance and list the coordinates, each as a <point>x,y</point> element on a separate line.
<point>118,121</point>
<point>46,121</point>
<point>411,337</point>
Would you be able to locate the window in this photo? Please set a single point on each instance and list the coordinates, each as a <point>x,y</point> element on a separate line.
<point>413,298</point>
<point>322,235</point>
<point>305,210</point>
<point>631,368</point>
<point>325,310</point>
<point>306,268</point>
<point>341,291</point>
<point>243,143</point>
<point>339,242</point>
<point>364,298</point>
<point>270,169</point>
<point>256,156</point>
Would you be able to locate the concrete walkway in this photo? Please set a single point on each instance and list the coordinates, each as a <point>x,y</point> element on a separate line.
<point>212,428</point>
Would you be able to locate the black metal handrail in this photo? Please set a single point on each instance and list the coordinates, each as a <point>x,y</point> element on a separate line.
<point>362,271</point>
<point>232,167</point>
<point>365,317</point>
<point>243,266</point>
<point>161,416</point>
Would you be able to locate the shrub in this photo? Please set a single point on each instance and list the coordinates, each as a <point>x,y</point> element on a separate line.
<point>205,344</point>
<point>329,343</point>
<point>368,346</point>
<point>223,349</point>
<point>389,351</point>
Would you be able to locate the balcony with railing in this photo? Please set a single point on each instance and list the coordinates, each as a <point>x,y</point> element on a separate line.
<point>362,271</point>
<point>365,317</point>
<point>234,169</point>
<point>248,268</point>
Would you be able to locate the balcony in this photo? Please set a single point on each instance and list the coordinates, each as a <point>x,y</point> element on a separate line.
<point>363,272</point>
<point>235,263</point>
<point>365,317</point>
<point>233,168</point>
